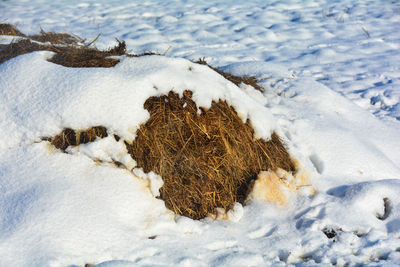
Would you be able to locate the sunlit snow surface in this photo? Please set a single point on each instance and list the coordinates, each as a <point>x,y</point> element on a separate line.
<point>332,76</point>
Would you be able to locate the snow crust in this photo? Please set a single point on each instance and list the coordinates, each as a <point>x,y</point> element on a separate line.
<point>331,73</point>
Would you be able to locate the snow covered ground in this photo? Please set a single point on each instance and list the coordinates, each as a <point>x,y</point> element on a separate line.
<point>332,76</point>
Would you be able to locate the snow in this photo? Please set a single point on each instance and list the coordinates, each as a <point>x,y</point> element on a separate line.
<point>35,107</point>
<point>331,72</point>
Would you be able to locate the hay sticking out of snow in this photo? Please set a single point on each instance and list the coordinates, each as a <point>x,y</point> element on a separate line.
<point>56,38</point>
<point>69,49</point>
<point>206,160</point>
<point>43,36</point>
<point>67,56</point>
<point>8,29</point>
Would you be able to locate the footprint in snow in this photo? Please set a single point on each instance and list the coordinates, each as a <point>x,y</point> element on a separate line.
<point>317,162</point>
<point>264,231</point>
<point>221,245</point>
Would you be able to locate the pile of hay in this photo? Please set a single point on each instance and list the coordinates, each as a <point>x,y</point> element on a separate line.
<point>206,160</point>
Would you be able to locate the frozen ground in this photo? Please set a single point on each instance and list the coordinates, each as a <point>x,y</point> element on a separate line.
<point>331,72</point>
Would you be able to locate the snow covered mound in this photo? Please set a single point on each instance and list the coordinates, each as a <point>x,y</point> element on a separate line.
<point>39,98</point>
<point>331,74</point>
<point>77,207</point>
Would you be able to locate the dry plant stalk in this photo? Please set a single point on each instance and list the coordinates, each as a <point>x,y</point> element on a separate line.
<point>70,137</point>
<point>207,160</point>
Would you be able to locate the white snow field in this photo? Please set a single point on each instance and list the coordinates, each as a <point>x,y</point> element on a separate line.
<point>331,73</point>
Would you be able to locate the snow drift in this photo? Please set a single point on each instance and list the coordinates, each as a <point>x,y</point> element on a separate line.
<point>335,105</point>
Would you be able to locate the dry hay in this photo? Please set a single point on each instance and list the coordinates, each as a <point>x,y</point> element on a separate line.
<point>70,137</point>
<point>43,37</point>
<point>249,80</point>
<point>8,29</point>
<point>206,160</point>
<point>84,57</point>
<point>277,185</point>
<point>20,47</point>
<point>66,46</point>
<point>56,38</point>
<point>68,56</point>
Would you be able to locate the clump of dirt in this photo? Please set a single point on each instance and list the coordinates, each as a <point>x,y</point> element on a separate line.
<point>206,160</point>
<point>249,80</point>
<point>70,137</point>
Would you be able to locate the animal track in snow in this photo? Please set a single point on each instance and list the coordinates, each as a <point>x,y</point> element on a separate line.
<point>264,231</point>
<point>387,209</point>
<point>317,162</point>
<point>221,245</point>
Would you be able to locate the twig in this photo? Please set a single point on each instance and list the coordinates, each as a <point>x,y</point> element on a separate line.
<point>166,51</point>
<point>41,29</point>
<point>95,39</point>
<point>366,32</point>
<point>80,39</point>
